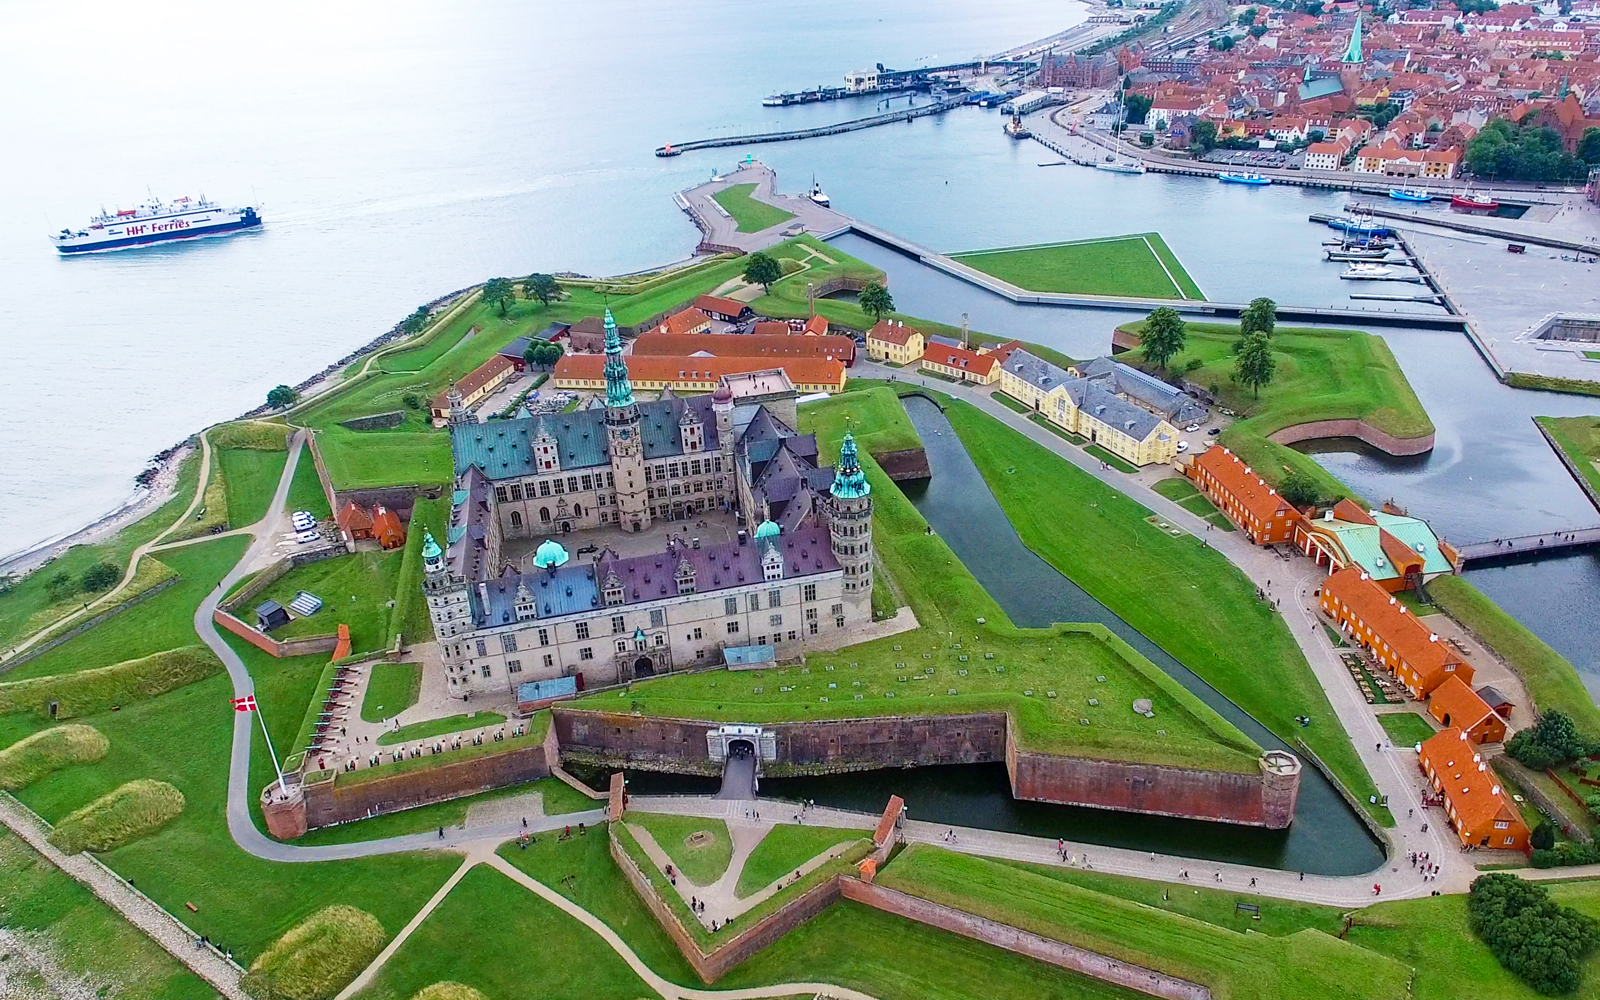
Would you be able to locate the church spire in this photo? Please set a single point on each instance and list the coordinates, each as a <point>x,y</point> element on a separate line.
<point>619,391</point>
<point>1352,54</point>
<point>849,482</point>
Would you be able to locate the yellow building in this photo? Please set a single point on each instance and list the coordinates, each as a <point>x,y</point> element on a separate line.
<point>1131,432</point>
<point>895,343</point>
<point>961,364</point>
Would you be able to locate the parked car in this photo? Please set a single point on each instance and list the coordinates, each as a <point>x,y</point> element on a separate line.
<point>1183,446</point>
<point>307,537</point>
<point>1192,428</point>
<point>1214,431</point>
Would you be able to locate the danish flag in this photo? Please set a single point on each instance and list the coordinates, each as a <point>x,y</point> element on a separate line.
<point>245,704</point>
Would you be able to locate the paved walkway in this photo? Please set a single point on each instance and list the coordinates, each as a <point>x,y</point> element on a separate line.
<point>719,228</point>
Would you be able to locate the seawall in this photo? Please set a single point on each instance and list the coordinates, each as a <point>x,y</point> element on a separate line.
<point>1360,429</point>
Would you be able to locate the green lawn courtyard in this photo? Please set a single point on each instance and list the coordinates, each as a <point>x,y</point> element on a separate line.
<point>355,590</point>
<point>1140,265</point>
<point>751,216</point>
<point>392,689</point>
<point>1579,439</point>
<point>1406,728</point>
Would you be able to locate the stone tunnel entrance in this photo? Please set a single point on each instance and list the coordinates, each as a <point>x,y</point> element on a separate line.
<point>740,749</point>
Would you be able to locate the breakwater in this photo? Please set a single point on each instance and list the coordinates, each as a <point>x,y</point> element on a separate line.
<point>837,128</point>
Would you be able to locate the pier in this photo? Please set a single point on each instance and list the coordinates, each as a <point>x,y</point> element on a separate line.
<point>1476,227</point>
<point>853,124</point>
<point>1540,546</point>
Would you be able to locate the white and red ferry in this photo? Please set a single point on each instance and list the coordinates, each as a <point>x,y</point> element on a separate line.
<point>156,222</point>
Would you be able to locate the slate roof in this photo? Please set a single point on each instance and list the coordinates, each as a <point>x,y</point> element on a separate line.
<point>1172,402</point>
<point>503,448</point>
<point>716,567</point>
<point>466,538</point>
<point>1043,375</point>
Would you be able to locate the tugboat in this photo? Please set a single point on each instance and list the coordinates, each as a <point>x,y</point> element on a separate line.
<point>1473,201</point>
<point>1244,178</point>
<point>1409,194</point>
<point>817,196</point>
<point>1015,129</point>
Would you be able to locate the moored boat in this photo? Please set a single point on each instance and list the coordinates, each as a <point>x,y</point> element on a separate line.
<point>1357,254</point>
<point>1473,201</point>
<point>1015,129</point>
<point>1353,227</point>
<point>1243,178</point>
<point>1409,194</point>
<point>817,196</point>
<point>1367,272</point>
<point>1122,167</point>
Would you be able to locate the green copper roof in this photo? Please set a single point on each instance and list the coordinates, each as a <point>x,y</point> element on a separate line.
<point>1352,54</point>
<point>849,482</point>
<point>766,529</point>
<point>619,391</point>
<point>550,554</point>
<point>430,548</point>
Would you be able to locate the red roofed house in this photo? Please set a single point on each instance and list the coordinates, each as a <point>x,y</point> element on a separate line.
<point>816,326</point>
<point>690,320</point>
<point>727,310</point>
<point>960,364</point>
<point>1245,497</point>
<point>1326,155</point>
<point>1376,620</point>
<point>386,528</point>
<point>771,328</point>
<point>735,345</point>
<point>587,371</point>
<point>473,386</point>
<point>894,342</point>
<point>1453,703</point>
<point>354,521</point>
<point>1473,799</point>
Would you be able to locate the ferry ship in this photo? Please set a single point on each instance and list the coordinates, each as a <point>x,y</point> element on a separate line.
<point>156,222</point>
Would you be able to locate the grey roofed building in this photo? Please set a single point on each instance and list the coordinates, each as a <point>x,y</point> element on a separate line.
<point>1044,376</point>
<point>1171,402</point>
<point>945,341</point>
<point>1111,409</point>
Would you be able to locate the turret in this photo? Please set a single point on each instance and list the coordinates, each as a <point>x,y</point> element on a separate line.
<point>458,408</point>
<point>849,510</point>
<point>448,606</point>
<point>623,437</point>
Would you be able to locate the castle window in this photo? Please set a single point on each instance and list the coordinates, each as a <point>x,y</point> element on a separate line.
<point>661,639</point>
<point>572,484</point>
<point>658,617</point>
<point>560,486</point>
<point>508,643</point>
<point>583,630</point>
<point>618,624</point>
<point>810,592</point>
<point>549,660</point>
<point>513,666</point>
<point>716,466</point>
<point>773,621</point>
<point>811,627</point>
<point>544,637</point>
<point>838,621</point>
<point>733,628</point>
<point>648,475</point>
<point>484,670</point>
<point>774,598</point>
<point>696,635</point>
<point>695,467</point>
<point>500,493</point>
<point>483,647</point>
<point>622,645</point>
<point>516,491</point>
<point>544,488</point>
<point>586,653</point>
<point>755,602</point>
<point>611,481</point>
<point>516,519</point>
<point>544,514</point>
<point>588,482</point>
<point>838,609</point>
<point>792,635</point>
<point>730,605</point>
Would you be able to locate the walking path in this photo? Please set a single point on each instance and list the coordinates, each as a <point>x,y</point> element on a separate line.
<point>162,927</point>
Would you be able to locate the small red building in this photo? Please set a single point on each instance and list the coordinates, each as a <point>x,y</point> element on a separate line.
<point>1455,704</point>
<point>354,521</point>
<point>387,529</point>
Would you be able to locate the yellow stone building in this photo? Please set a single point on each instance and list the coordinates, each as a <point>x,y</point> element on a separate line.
<point>1087,408</point>
<point>895,343</point>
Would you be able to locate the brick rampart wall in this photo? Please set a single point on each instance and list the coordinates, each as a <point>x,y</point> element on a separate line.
<point>331,802</point>
<point>1021,942</point>
<point>1144,788</point>
<point>1358,429</point>
<point>901,466</point>
<point>304,646</point>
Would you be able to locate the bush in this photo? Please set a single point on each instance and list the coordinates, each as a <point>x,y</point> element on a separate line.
<point>447,991</point>
<point>31,758</point>
<point>59,586</point>
<point>101,576</point>
<point>412,401</point>
<point>318,956</point>
<point>254,435</point>
<point>118,817</point>
<point>1541,943</point>
<point>1553,740</point>
<point>1543,836</point>
<point>89,691</point>
<point>1564,855</point>
<point>1299,489</point>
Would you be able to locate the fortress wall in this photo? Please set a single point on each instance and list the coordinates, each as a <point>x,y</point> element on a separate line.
<point>900,466</point>
<point>890,741</point>
<point>331,802</point>
<point>1387,443</point>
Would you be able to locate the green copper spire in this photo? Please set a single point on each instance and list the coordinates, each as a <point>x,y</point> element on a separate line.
<point>430,548</point>
<point>849,482</point>
<point>1353,53</point>
<point>619,391</point>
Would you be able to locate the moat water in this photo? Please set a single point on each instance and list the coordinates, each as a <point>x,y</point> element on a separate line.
<point>1327,837</point>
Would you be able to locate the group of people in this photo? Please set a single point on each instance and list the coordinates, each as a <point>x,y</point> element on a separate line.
<point>1429,870</point>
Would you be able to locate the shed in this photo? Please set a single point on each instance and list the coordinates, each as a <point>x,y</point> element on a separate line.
<point>534,695</point>
<point>750,657</point>
<point>270,615</point>
<point>386,528</point>
<point>1494,699</point>
<point>517,351</point>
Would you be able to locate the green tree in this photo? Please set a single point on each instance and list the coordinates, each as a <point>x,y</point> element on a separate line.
<point>413,324</point>
<point>1247,17</point>
<point>540,286</point>
<point>762,269</point>
<point>1254,366</point>
<point>1589,146</point>
<point>59,586</point>
<point>1540,942</point>
<point>875,299</point>
<point>1314,8</point>
<point>412,401</point>
<point>1260,316</point>
<point>1223,44</point>
<point>281,396</point>
<point>1138,106</point>
<point>1552,740</point>
<point>1203,136</point>
<point>1543,836</point>
<point>1299,489</point>
<point>499,292</point>
<point>1163,336</point>
<point>101,576</point>
<point>549,354</point>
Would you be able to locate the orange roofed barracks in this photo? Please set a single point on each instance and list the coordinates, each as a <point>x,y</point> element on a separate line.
<point>1376,619</point>
<point>1473,798</point>
<point>1244,496</point>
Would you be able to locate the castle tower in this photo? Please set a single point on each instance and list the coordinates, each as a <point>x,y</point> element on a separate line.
<point>458,409</point>
<point>623,438</point>
<point>722,412</point>
<point>849,509</point>
<point>448,606</point>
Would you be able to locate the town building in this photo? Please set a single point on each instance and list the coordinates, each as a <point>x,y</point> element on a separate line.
<point>726,310</point>
<point>696,374</point>
<point>960,364</point>
<point>1325,155</point>
<point>895,342</point>
<point>1453,703</point>
<point>1394,549</point>
<point>690,320</point>
<point>1143,389</point>
<point>472,387</point>
<point>1376,620</point>
<point>1085,407</point>
<point>1234,488</point>
<point>732,345</point>
<point>793,567</point>
<point>1473,797</point>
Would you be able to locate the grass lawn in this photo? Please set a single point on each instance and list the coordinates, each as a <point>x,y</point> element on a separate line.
<point>1579,438</point>
<point>1406,728</point>
<point>355,590</point>
<point>1110,459</point>
<point>439,727</point>
<point>702,862</point>
<point>1551,679</point>
<point>874,416</point>
<point>86,938</point>
<point>410,617</point>
<point>163,622</point>
<point>1321,375</point>
<point>1185,597</point>
<point>497,937</point>
<point>878,679</point>
<point>751,215</point>
<point>1305,964</point>
<point>251,476</point>
<point>394,687</point>
<point>785,848</point>
<point>305,490</point>
<point>558,797</point>
<point>1011,402</point>
<point>28,607</point>
<point>1140,265</point>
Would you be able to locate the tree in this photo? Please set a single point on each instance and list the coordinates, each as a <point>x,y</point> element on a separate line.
<point>499,292</point>
<point>1314,8</point>
<point>8,583</point>
<point>1299,489</point>
<point>876,300</point>
<point>1223,44</point>
<point>1257,30</point>
<point>412,401</point>
<point>547,354</point>
<point>1548,743</point>
<point>1163,336</point>
<point>541,287</point>
<point>1203,136</point>
<point>1589,146</point>
<point>101,576</point>
<point>1138,106</point>
<point>59,586</point>
<point>1522,151</point>
<point>1543,836</point>
<point>1540,942</point>
<point>413,324</point>
<point>1255,364</point>
<point>1260,316</point>
<point>762,269</point>
<point>281,396</point>
<point>1247,17</point>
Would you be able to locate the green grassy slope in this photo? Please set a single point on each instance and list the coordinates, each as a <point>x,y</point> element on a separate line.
<point>1139,265</point>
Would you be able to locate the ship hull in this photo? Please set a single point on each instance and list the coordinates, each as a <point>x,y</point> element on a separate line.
<point>151,239</point>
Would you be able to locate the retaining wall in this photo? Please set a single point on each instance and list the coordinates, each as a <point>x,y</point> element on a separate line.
<point>86,625</point>
<point>912,463</point>
<point>1021,942</point>
<point>1387,443</point>
<point>304,646</point>
<point>331,802</point>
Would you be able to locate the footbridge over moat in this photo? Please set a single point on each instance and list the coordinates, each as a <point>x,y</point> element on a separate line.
<point>1526,547</point>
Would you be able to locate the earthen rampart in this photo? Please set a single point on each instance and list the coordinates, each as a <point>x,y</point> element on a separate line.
<point>1359,429</point>
<point>905,465</point>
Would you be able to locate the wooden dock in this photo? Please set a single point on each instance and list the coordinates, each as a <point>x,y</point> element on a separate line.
<point>1477,229</point>
<point>1546,545</point>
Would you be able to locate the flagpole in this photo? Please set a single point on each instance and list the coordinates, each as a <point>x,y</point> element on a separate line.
<point>275,766</point>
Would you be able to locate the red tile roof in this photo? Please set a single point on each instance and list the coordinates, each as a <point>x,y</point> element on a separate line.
<point>719,305</point>
<point>734,345</point>
<point>1248,489</point>
<point>1415,644</point>
<point>1472,789</point>
<point>475,379</point>
<point>960,357</point>
<point>890,332</point>
<point>1462,704</point>
<point>685,321</point>
<point>801,371</point>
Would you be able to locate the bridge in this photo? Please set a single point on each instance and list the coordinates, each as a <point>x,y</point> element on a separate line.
<point>1545,545</point>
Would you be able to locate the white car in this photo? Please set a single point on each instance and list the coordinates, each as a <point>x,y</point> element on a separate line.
<point>304,521</point>
<point>1183,446</point>
<point>307,537</point>
<point>1192,428</point>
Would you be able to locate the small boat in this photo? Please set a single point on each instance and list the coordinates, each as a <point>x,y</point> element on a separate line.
<point>1122,167</point>
<point>1371,244</point>
<point>1409,194</point>
<point>1015,129</point>
<point>1246,178</point>
<point>817,196</point>
<point>1366,272</point>
<point>1354,254</point>
<point>1355,228</point>
<point>1472,200</point>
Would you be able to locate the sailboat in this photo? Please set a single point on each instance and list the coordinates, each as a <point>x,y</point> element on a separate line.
<point>817,196</point>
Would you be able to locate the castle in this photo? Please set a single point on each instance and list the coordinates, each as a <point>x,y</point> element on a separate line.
<point>638,478</point>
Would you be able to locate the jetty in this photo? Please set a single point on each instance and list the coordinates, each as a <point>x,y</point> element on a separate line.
<point>938,106</point>
<point>1479,226</point>
<point>1544,545</point>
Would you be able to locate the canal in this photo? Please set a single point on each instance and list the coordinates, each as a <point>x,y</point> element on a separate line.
<point>1327,837</point>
